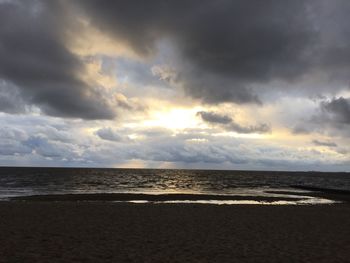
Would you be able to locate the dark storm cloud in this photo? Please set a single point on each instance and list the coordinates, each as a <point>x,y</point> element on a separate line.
<point>34,58</point>
<point>324,143</point>
<point>226,48</point>
<point>229,124</point>
<point>229,44</point>
<point>214,89</point>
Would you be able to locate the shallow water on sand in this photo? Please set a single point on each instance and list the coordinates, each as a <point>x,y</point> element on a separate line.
<point>38,181</point>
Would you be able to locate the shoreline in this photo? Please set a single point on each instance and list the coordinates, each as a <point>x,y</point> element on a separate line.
<point>146,197</point>
<point>312,194</point>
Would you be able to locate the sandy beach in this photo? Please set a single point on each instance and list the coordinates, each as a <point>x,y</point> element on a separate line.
<point>37,231</point>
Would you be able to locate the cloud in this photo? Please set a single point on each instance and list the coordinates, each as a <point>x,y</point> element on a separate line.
<point>43,140</point>
<point>324,143</point>
<point>225,49</point>
<point>108,134</point>
<point>214,117</point>
<point>127,104</point>
<point>330,117</point>
<point>10,99</point>
<point>43,147</point>
<point>11,142</point>
<point>139,61</point>
<point>229,124</point>
<point>165,73</point>
<point>35,60</point>
<point>218,151</point>
<point>298,129</point>
<point>337,110</point>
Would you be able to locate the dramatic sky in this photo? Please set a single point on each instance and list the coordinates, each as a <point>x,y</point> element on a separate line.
<point>224,84</point>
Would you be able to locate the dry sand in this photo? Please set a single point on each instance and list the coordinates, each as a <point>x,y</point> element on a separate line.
<point>36,231</point>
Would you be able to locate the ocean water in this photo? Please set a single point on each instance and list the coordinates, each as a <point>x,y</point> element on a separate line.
<point>17,181</point>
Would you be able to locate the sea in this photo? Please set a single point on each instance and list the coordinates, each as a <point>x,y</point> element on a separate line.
<point>25,181</point>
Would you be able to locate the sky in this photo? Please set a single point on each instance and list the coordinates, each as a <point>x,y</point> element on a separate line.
<point>198,84</point>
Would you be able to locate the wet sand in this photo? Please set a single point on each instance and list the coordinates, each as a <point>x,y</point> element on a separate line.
<point>38,231</point>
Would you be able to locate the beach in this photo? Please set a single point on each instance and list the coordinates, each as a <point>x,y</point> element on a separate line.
<point>58,231</point>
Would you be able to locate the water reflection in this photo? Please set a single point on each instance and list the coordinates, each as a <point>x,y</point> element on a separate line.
<point>39,181</point>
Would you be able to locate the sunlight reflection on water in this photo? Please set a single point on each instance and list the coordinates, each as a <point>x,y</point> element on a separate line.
<point>311,201</point>
<point>49,181</point>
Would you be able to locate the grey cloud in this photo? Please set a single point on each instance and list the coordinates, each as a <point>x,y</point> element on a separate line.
<point>229,124</point>
<point>34,142</point>
<point>217,152</point>
<point>42,147</point>
<point>331,118</point>
<point>260,128</point>
<point>332,145</point>
<point>13,148</point>
<point>298,129</point>
<point>337,109</point>
<point>155,132</point>
<point>324,143</point>
<point>233,45</point>
<point>342,151</point>
<point>214,117</point>
<point>213,89</point>
<point>10,99</point>
<point>228,49</point>
<point>11,141</point>
<point>124,104</point>
<point>165,73</point>
<point>216,35</point>
<point>136,71</point>
<point>7,133</point>
<point>129,105</point>
<point>30,145</point>
<point>175,149</point>
<point>108,134</point>
<point>34,58</point>
<point>55,134</point>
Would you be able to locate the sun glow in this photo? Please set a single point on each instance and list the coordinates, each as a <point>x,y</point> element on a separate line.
<point>175,119</point>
